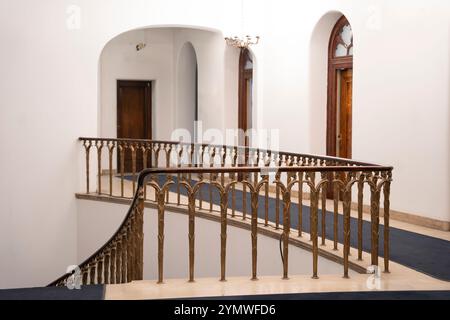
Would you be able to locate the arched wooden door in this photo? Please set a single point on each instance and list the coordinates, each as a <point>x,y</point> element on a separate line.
<point>340,90</point>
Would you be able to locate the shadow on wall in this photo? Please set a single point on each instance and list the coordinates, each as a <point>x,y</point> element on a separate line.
<point>318,72</point>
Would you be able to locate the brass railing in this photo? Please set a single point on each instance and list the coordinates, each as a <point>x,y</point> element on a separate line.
<point>196,174</point>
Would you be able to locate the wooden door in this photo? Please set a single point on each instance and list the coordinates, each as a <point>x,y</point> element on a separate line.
<point>134,116</point>
<point>245,104</point>
<point>245,95</point>
<point>345,114</point>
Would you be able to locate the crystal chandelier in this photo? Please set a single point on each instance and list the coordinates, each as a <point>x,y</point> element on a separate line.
<point>242,42</point>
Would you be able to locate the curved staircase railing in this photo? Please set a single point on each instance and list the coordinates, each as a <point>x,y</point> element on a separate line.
<point>231,180</point>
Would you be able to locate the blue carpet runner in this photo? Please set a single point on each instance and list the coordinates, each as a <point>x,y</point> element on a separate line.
<point>88,292</point>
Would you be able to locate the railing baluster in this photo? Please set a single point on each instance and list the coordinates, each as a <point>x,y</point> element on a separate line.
<point>112,265</point>
<point>191,234</point>
<point>85,277</point>
<point>224,159</point>
<point>254,233</point>
<point>314,223</point>
<point>129,251</point>
<point>168,157</point>
<point>324,208</point>
<point>132,259</point>
<point>200,176</point>
<point>106,268</point>
<point>133,165</point>
<point>312,176</point>
<point>99,146</point>
<point>277,203</point>
<point>386,193</point>
<point>119,262</point>
<point>160,235</point>
<point>100,271</point>
<point>360,214</point>
<point>140,234</point>
<point>244,196</point>
<point>145,148</point>
<point>223,232</point>
<point>123,259</point>
<point>235,178</point>
<point>155,177</point>
<point>87,146</point>
<point>375,218</point>
<point>92,268</point>
<point>286,231</point>
<point>191,160</point>
<point>256,164</point>
<point>211,164</point>
<point>111,146</point>
<point>346,211</point>
<point>122,147</point>
<point>300,204</point>
<point>180,155</point>
<point>335,212</point>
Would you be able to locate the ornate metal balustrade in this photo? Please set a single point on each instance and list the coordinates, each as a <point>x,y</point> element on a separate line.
<point>206,177</point>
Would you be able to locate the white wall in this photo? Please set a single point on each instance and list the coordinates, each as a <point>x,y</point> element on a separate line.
<point>50,96</point>
<point>186,89</point>
<point>401,90</point>
<point>121,61</point>
<point>169,60</point>
<point>97,221</point>
<point>209,49</point>
<point>317,82</point>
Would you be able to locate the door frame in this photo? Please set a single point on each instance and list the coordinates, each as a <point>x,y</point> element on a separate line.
<point>334,64</point>
<point>147,85</point>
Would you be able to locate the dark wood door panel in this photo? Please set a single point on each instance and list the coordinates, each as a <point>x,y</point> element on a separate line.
<point>133,117</point>
<point>345,117</point>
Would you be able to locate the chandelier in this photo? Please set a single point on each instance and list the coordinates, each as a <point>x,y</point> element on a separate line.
<point>242,42</point>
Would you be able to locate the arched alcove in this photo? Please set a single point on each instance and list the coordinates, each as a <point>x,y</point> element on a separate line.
<point>176,96</point>
<point>318,74</point>
<point>183,72</point>
<point>187,90</point>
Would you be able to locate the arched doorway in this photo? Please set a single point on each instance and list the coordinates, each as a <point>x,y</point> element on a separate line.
<point>245,95</point>
<point>340,83</point>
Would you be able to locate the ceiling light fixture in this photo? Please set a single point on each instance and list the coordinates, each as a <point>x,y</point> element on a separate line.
<point>242,41</point>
